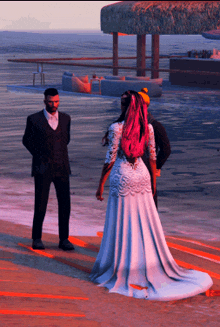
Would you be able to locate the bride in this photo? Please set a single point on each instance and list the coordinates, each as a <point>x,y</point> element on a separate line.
<point>134,259</point>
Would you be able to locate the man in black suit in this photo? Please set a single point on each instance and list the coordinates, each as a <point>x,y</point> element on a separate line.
<point>46,137</point>
<point>162,143</point>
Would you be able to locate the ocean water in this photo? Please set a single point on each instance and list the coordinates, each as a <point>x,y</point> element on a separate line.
<point>92,44</point>
<point>189,187</point>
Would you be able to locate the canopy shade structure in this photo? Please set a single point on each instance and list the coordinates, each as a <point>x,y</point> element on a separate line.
<point>158,18</point>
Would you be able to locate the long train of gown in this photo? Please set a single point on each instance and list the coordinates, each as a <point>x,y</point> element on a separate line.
<point>133,249</point>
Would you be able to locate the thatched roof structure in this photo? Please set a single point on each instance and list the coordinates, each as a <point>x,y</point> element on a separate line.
<point>156,18</point>
<point>161,17</point>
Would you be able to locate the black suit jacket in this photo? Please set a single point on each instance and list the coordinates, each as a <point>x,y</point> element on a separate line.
<point>162,142</point>
<point>36,140</point>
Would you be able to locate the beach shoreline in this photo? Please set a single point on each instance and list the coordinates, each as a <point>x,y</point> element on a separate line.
<point>187,191</point>
<point>189,186</point>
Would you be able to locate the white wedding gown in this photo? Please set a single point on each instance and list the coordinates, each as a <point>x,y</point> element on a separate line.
<point>134,259</point>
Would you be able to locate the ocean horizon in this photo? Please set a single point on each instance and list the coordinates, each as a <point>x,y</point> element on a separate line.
<point>61,31</point>
<point>169,44</point>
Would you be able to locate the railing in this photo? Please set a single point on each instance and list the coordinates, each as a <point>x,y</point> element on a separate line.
<point>66,62</point>
<point>61,61</point>
<point>85,58</point>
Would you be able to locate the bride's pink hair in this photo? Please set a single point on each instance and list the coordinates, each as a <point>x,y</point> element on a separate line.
<point>135,131</point>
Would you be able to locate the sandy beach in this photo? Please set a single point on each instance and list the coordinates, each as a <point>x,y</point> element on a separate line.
<point>26,275</point>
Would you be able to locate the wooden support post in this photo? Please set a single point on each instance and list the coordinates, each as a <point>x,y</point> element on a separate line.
<point>115,53</point>
<point>155,55</point>
<point>141,61</point>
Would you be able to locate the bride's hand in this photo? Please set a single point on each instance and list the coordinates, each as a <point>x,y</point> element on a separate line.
<point>99,193</point>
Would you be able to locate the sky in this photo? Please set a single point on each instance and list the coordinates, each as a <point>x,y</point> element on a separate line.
<point>50,15</point>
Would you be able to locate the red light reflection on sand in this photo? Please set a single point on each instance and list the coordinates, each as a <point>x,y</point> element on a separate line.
<point>192,241</point>
<point>5,268</point>
<point>189,266</point>
<point>67,262</point>
<point>78,242</point>
<point>47,296</point>
<point>35,313</point>
<point>198,253</point>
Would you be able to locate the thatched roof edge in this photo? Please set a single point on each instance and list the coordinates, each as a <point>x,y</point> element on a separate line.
<point>161,17</point>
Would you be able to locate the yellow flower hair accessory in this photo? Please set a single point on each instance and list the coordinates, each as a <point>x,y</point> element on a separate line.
<point>145,96</point>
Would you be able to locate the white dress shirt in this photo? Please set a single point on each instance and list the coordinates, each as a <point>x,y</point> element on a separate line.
<point>53,120</point>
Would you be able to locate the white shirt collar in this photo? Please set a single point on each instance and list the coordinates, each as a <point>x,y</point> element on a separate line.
<point>49,116</point>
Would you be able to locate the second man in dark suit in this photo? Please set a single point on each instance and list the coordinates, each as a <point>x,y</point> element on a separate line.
<point>162,143</point>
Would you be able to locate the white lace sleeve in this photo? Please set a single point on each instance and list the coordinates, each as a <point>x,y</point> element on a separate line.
<point>151,143</point>
<point>114,136</point>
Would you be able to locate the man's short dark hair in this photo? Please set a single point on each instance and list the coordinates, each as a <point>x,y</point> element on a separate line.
<point>51,91</point>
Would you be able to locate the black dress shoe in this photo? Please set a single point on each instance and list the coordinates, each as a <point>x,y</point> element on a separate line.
<point>66,245</point>
<point>38,244</point>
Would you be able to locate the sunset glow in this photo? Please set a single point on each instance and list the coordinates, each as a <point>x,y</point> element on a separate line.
<point>47,15</point>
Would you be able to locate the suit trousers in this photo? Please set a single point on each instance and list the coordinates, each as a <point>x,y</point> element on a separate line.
<point>42,189</point>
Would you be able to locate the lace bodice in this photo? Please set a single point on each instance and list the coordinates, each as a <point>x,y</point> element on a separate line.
<point>114,136</point>
<point>126,177</point>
